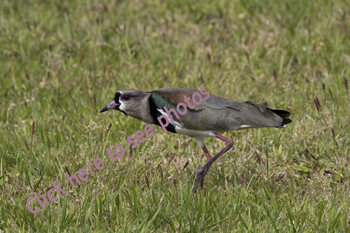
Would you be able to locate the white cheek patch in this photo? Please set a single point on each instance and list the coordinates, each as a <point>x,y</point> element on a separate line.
<point>122,106</point>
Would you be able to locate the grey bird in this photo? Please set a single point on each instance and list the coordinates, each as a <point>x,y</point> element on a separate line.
<point>200,115</point>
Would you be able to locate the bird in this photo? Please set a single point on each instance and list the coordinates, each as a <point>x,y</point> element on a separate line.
<point>203,116</point>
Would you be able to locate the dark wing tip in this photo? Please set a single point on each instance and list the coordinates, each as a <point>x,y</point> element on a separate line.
<point>284,115</point>
<point>286,121</point>
<point>281,113</point>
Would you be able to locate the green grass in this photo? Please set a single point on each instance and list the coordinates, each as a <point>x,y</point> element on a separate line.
<point>62,61</point>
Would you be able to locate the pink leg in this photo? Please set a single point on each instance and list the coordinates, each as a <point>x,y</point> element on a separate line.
<point>203,170</point>
<point>206,153</point>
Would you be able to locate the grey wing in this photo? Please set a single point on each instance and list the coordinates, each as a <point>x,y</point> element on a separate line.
<point>226,115</point>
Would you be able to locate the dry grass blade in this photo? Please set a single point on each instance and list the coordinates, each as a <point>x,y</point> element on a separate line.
<point>346,85</point>
<point>317,104</point>
<point>331,93</point>
<point>258,157</point>
<point>147,181</point>
<point>171,158</point>
<point>33,126</point>
<point>333,133</point>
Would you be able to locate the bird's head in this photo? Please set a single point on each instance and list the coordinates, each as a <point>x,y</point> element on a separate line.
<point>129,101</point>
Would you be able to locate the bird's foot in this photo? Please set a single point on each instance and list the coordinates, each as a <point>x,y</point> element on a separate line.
<point>200,179</point>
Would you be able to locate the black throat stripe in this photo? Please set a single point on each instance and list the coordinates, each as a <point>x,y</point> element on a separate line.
<point>155,114</point>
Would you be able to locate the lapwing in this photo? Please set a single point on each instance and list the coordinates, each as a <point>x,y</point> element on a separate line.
<point>197,114</point>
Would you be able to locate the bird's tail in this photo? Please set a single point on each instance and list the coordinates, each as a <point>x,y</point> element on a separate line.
<point>260,115</point>
<point>284,115</point>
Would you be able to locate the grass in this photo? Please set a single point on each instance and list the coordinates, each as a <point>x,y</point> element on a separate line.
<point>62,61</point>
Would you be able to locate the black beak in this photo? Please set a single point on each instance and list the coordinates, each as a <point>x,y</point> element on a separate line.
<point>112,105</point>
<point>104,109</point>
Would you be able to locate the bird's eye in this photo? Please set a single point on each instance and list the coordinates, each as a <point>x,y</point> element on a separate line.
<point>126,97</point>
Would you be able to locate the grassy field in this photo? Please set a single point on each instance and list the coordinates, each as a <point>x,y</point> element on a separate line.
<point>62,61</point>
